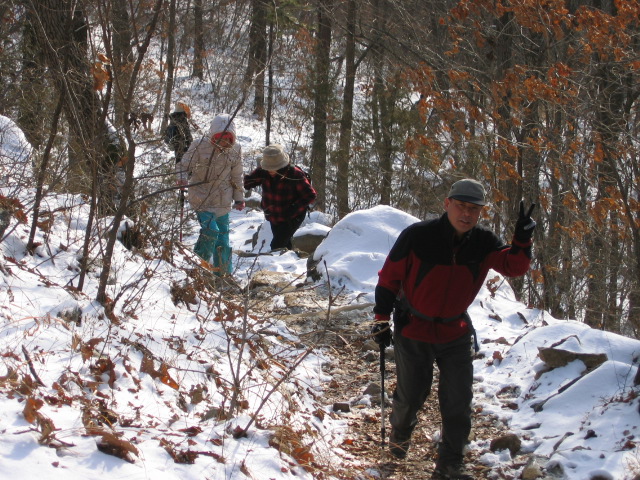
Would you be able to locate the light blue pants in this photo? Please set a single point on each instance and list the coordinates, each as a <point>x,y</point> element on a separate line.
<point>213,241</point>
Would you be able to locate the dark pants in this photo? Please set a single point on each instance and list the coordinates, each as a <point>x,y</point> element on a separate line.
<point>414,366</point>
<point>282,232</point>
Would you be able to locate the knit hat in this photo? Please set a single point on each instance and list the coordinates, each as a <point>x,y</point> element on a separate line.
<point>274,158</point>
<point>184,108</point>
<point>468,190</point>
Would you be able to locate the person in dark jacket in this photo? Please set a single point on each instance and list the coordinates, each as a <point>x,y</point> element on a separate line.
<point>430,277</point>
<point>178,135</point>
<point>286,194</point>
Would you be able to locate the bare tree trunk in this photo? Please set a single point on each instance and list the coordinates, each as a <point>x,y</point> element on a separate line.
<point>61,32</point>
<point>503,62</point>
<point>127,189</point>
<point>257,62</point>
<point>634,295</point>
<point>269,86</point>
<point>62,38</point>
<point>346,122</point>
<point>198,39</point>
<point>41,173</point>
<point>554,252</point>
<point>382,104</point>
<point>30,118</point>
<point>171,56</point>
<point>321,101</point>
<point>603,253</point>
<point>122,55</point>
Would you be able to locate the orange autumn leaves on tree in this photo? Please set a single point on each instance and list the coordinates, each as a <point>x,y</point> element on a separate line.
<point>100,72</point>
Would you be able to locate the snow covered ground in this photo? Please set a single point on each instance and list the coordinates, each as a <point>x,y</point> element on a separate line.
<point>153,380</point>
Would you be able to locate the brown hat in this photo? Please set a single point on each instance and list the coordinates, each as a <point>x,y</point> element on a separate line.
<point>274,158</point>
<point>468,190</point>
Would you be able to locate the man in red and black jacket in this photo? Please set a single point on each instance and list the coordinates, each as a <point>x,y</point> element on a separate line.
<point>286,194</point>
<point>431,276</point>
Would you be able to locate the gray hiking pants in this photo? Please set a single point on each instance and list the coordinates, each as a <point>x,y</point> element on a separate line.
<point>414,368</point>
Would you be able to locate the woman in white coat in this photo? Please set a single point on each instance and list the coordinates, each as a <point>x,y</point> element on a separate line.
<point>212,169</point>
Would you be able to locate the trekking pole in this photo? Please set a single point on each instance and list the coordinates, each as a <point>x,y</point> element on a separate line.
<point>181,213</point>
<point>382,367</point>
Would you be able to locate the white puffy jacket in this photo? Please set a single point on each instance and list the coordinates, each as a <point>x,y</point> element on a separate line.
<point>215,176</point>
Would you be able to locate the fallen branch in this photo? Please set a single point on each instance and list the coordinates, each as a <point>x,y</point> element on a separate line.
<point>320,313</point>
<point>31,367</point>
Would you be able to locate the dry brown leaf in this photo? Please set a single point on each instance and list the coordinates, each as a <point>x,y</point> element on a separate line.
<point>76,342</point>
<point>102,366</point>
<point>12,355</point>
<point>197,393</point>
<point>179,456</point>
<point>26,386</point>
<point>31,408</point>
<point>112,445</point>
<point>166,378</point>
<point>11,376</point>
<point>47,427</point>
<point>244,469</point>
<point>87,348</point>
<point>303,456</point>
<point>146,366</point>
<point>191,431</point>
<point>100,76</point>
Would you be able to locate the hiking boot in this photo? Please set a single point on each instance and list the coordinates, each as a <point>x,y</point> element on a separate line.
<point>450,472</point>
<point>398,446</point>
<point>399,449</point>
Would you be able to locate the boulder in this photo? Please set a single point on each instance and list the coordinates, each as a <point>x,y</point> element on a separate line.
<point>509,442</point>
<point>308,242</point>
<point>311,234</point>
<point>556,357</point>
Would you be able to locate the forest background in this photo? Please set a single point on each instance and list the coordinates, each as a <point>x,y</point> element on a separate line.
<point>383,101</point>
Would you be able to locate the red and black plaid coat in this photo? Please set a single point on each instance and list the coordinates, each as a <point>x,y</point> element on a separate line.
<point>285,195</point>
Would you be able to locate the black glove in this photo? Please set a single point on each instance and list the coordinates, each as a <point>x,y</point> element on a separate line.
<point>525,224</point>
<point>381,332</point>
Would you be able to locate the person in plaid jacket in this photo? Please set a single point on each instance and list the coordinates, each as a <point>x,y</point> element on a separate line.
<point>286,194</point>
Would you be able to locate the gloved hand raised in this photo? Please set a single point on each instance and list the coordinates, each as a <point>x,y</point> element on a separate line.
<point>525,224</point>
<point>381,332</point>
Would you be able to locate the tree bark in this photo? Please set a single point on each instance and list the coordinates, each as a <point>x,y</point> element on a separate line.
<point>171,56</point>
<point>322,93</point>
<point>61,34</point>
<point>346,122</point>
<point>257,62</point>
<point>122,57</point>
<point>270,88</point>
<point>31,115</point>
<point>198,39</point>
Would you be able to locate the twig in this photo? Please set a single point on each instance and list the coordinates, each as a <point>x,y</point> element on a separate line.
<point>31,367</point>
